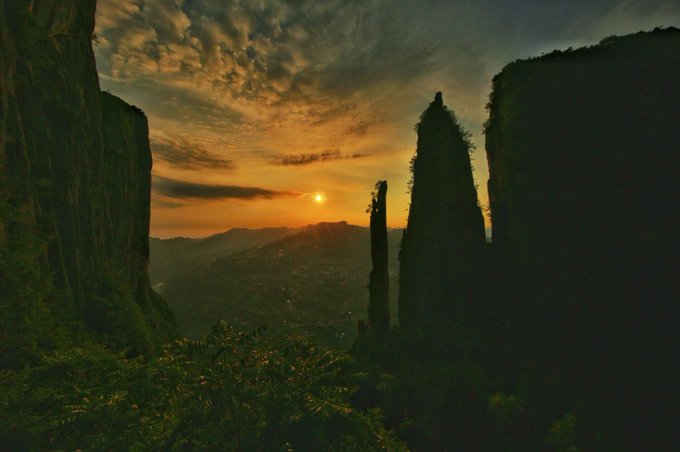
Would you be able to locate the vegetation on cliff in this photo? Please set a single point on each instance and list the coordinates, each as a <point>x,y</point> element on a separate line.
<point>444,238</point>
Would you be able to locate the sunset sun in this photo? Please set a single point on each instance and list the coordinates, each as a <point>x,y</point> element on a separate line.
<point>319,198</point>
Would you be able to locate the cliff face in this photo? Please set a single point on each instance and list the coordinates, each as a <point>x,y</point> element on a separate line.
<point>74,183</point>
<point>583,157</point>
<point>444,237</point>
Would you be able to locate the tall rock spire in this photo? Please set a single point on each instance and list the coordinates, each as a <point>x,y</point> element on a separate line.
<point>445,232</point>
<point>379,285</point>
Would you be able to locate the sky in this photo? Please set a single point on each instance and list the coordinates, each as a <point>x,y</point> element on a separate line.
<point>257,106</point>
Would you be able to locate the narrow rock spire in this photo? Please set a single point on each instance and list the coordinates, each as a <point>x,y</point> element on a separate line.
<point>379,283</point>
<point>445,232</point>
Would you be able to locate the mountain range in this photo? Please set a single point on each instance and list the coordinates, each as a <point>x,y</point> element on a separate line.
<point>311,280</point>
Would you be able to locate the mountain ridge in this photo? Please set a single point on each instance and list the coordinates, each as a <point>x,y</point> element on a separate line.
<point>314,281</point>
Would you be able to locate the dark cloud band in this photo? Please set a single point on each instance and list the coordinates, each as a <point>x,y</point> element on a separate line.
<point>312,157</point>
<point>180,153</point>
<point>172,188</point>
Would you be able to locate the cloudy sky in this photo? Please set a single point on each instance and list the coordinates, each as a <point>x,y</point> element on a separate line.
<point>255,106</point>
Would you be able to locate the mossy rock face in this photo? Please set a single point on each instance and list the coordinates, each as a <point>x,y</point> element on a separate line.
<point>74,182</point>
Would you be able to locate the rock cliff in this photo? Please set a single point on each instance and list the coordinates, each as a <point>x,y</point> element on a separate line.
<point>444,237</point>
<point>583,158</point>
<point>74,188</point>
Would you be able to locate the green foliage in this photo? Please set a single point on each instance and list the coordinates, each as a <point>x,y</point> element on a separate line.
<point>439,391</point>
<point>563,434</point>
<point>86,398</point>
<point>504,406</point>
<point>433,396</point>
<point>116,319</point>
<point>230,391</point>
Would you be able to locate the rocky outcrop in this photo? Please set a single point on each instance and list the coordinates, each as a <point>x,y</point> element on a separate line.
<point>379,278</point>
<point>583,158</point>
<point>74,184</point>
<point>445,233</point>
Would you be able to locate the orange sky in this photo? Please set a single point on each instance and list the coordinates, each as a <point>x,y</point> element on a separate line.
<point>255,105</point>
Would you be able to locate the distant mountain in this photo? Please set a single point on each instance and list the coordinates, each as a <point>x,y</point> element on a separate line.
<point>313,281</point>
<point>170,256</point>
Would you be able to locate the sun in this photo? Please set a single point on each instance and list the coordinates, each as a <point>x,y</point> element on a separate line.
<point>319,198</point>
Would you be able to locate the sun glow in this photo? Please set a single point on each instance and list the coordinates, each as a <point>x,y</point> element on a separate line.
<point>319,198</point>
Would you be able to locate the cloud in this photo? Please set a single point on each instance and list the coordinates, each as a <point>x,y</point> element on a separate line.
<point>312,157</point>
<point>289,54</point>
<point>278,51</point>
<point>177,189</point>
<point>360,128</point>
<point>266,79</point>
<point>336,67</point>
<point>182,153</point>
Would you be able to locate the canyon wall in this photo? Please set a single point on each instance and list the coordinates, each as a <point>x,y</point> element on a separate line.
<point>74,188</point>
<point>583,149</point>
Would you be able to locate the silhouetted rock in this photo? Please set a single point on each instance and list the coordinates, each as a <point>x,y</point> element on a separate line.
<point>445,234</point>
<point>379,279</point>
<point>75,182</point>
<point>583,157</point>
<point>438,99</point>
